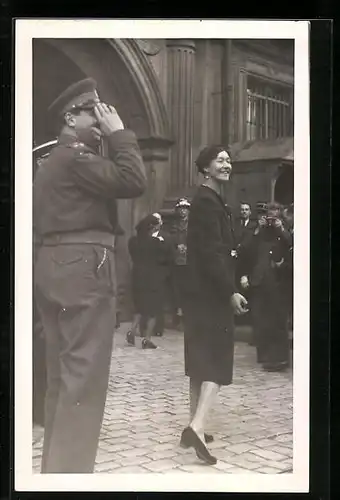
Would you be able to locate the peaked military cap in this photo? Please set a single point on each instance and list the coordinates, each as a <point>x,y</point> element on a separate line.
<point>261,207</point>
<point>82,94</point>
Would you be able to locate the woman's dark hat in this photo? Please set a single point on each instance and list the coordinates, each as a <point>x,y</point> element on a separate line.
<point>146,223</point>
<point>80,95</point>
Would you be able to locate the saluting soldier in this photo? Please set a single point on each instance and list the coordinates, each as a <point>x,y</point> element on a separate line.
<point>75,282</point>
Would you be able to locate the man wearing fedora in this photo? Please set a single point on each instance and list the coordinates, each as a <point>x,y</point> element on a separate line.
<point>75,217</point>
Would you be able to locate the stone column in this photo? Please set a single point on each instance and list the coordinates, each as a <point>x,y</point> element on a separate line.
<point>181,72</point>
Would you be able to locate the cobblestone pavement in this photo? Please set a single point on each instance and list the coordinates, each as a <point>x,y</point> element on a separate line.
<point>147,409</point>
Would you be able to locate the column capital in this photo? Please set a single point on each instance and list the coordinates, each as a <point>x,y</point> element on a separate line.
<point>180,43</point>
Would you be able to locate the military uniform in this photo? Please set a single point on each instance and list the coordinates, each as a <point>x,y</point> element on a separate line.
<point>269,312</point>
<point>75,282</point>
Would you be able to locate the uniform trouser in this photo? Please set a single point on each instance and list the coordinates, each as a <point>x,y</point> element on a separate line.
<point>75,294</point>
<point>269,314</point>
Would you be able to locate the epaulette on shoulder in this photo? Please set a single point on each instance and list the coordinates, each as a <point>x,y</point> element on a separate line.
<point>81,149</point>
<point>79,146</point>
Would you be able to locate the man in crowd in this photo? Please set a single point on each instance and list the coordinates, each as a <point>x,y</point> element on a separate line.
<point>244,230</point>
<point>264,258</point>
<point>75,281</point>
<point>179,275</point>
<point>246,225</point>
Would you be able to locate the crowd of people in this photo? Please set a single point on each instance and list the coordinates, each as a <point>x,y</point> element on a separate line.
<point>210,267</point>
<point>263,274</point>
<point>159,273</point>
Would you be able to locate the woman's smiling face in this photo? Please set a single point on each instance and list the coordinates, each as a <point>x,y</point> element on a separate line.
<point>220,168</point>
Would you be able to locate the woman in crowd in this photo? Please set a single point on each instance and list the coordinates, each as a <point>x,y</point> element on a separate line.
<point>212,297</point>
<point>160,233</point>
<point>151,258</point>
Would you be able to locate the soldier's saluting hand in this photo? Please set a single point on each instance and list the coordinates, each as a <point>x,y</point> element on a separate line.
<point>108,119</point>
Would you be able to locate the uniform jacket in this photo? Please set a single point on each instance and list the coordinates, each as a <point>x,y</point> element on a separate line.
<point>266,248</point>
<point>210,242</point>
<point>179,236</point>
<point>75,188</point>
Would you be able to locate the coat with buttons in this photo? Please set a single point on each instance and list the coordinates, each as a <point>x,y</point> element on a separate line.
<point>210,247</point>
<point>208,315</point>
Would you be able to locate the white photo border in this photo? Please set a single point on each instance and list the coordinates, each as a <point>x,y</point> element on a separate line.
<point>25,31</point>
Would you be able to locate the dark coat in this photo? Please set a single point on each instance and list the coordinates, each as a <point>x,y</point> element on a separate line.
<point>208,317</point>
<point>151,259</point>
<point>151,266</point>
<point>210,242</point>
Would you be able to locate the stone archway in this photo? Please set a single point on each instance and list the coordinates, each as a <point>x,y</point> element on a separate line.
<point>124,76</point>
<point>126,79</point>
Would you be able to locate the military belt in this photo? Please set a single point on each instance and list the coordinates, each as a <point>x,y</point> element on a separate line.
<point>80,237</point>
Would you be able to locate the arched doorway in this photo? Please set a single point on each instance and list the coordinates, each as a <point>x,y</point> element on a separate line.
<point>126,79</point>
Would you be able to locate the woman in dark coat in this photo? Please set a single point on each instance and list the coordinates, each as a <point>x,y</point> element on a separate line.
<point>151,260</point>
<point>212,296</point>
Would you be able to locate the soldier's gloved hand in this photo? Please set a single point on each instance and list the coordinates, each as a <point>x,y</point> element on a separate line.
<point>239,303</point>
<point>108,119</point>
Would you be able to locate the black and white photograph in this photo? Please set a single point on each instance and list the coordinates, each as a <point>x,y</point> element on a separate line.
<point>162,255</point>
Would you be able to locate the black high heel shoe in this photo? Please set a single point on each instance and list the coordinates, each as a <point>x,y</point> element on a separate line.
<point>208,438</point>
<point>190,439</point>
